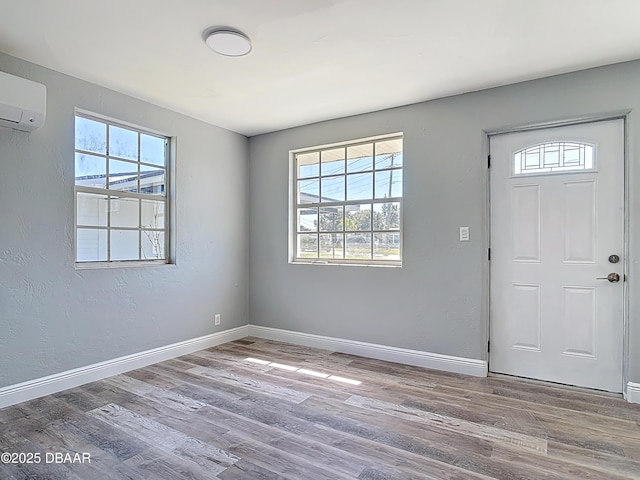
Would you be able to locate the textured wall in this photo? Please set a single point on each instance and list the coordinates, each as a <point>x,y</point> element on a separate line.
<point>438,301</point>
<point>54,318</point>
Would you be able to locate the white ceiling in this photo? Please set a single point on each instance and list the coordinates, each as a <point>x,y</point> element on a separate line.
<point>315,59</point>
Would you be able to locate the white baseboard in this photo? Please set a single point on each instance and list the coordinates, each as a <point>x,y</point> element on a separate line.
<point>633,392</point>
<point>467,366</point>
<point>39,387</point>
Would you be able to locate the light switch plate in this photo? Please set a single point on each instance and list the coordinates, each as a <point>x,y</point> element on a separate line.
<point>464,234</point>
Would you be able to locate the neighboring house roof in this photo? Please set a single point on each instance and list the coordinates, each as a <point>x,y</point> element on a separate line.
<point>151,177</point>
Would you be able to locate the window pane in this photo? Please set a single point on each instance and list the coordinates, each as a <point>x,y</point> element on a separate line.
<point>358,245</point>
<point>333,189</point>
<point>152,245</point>
<point>588,153</point>
<point>91,135</point>
<point>91,245</point>
<point>389,184</point>
<point>152,180</point>
<point>389,153</point>
<point>358,218</point>
<point>571,155</point>
<point>124,244</point>
<point>308,219</point>
<point>360,186</point>
<point>308,164</point>
<point>331,219</point>
<point>123,176</point>
<point>152,149</point>
<point>332,161</point>
<point>554,157</point>
<point>386,246</point>
<point>91,171</point>
<point>360,158</point>
<point>124,212</point>
<point>308,191</point>
<point>331,245</point>
<point>386,216</point>
<point>532,159</point>
<point>91,210</point>
<point>123,142</point>
<point>308,246</point>
<point>152,214</point>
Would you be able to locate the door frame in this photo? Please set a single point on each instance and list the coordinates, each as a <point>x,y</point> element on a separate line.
<point>486,156</point>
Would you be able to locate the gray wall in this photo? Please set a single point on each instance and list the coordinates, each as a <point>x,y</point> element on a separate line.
<point>438,301</point>
<point>54,318</point>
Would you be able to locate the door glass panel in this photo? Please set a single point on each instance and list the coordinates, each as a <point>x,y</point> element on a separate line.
<point>554,157</point>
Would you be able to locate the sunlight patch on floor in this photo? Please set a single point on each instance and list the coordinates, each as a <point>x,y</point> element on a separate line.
<point>304,371</point>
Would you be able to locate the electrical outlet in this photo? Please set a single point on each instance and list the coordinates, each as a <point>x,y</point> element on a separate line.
<point>217,320</point>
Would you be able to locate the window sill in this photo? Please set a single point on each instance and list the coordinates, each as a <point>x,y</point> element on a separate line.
<point>344,264</point>
<point>123,264</point>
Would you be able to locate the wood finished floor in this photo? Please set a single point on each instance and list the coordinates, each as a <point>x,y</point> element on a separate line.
<point>216,415</point>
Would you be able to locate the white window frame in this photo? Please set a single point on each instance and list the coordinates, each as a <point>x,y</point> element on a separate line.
<point>294,206</point>
<point>167,197</point>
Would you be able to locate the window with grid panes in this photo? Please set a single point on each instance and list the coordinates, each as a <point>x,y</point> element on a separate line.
<point>120,193</point>
<point>348,203</point>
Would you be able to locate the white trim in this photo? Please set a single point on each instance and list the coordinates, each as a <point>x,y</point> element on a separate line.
<point>466,366</point>
<point>39,387</point>
<point>633,392</point>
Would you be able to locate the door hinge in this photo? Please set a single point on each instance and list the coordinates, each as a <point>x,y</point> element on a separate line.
<point>489,346</point>
<point>488,161</point>
<point>489,254</point>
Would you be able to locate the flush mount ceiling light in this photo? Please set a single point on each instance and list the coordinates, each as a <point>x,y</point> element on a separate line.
<point>228,42</point>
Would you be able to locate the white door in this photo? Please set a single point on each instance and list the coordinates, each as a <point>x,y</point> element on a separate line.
<point>557,232</point>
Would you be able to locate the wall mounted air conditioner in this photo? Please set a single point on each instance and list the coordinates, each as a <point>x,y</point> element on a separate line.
<point>23,103</point>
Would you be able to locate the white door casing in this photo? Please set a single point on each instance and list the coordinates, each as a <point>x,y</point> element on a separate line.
<point>552,232</point>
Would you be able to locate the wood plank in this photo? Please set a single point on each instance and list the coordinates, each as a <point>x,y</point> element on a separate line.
<point>245,470</point>
<point>146,390</point>
<point>499,436</point>
<point>207,457</point>
<point>251,384</point>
